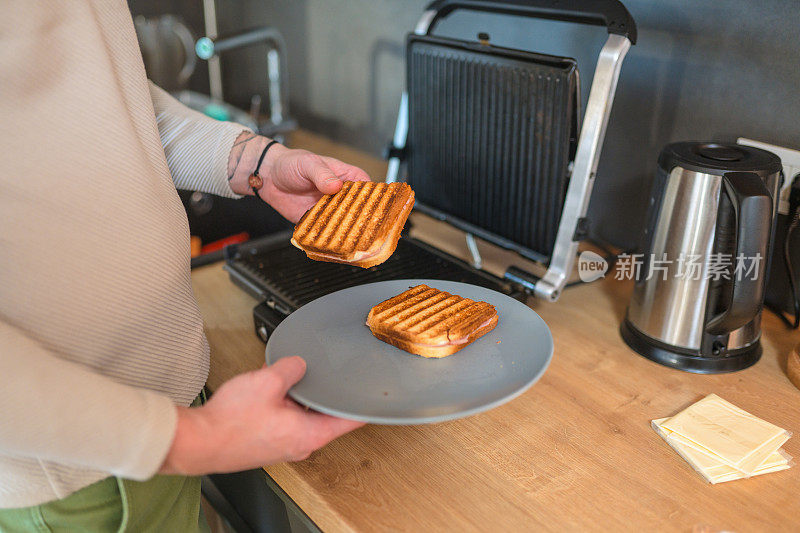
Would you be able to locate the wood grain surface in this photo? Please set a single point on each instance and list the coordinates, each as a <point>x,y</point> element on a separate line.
<point>575,452</point>
<point>793,366</point>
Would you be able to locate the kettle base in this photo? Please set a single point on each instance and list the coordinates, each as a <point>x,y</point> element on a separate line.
<point>683,359</point>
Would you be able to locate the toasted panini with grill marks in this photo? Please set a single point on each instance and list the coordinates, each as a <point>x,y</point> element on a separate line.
<point>360,225</point>
<point>430,322</point>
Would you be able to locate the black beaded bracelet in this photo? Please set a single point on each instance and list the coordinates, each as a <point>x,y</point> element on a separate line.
<point>255,180</point>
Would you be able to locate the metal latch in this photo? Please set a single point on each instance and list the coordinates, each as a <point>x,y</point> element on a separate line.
<point>581,229</point>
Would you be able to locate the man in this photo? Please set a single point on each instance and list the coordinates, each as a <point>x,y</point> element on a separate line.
<point>101,342</point>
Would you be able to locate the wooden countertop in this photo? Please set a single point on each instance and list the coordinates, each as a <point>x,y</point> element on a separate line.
<point>574,452</point>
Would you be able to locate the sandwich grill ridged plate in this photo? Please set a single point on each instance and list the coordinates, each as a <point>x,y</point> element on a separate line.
<point>352,374</point>
<point>491,133</point>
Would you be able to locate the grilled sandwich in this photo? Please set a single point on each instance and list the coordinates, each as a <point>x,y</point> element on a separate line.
<point>430,322</point>
<point>360,225</point>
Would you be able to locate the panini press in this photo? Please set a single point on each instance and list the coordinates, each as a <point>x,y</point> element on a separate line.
<point>490,140</point>
<point>283,278</point>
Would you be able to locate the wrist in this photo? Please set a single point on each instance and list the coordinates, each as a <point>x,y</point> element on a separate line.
<point>267,168</point>
<point>192,446</point>
<point>243,160</point>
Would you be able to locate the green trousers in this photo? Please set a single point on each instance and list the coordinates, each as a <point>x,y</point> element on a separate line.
<point>162,503</point>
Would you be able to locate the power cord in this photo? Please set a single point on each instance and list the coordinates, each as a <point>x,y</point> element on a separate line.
<point>794,223</point>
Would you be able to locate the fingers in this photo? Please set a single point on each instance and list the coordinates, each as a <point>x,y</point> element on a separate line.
<point>315,429</point>
<point>314,169</point>
<point>293,406</point>
<point>345,171</point>
<point>287,372</point>
<point>324,428</point>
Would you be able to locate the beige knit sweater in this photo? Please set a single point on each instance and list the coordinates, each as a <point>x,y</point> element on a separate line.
<point>100,334</point>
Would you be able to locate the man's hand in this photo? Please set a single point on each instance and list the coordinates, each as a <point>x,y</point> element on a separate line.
<point>293,179</point>
<point>249,423</point>
<point>296,179</point>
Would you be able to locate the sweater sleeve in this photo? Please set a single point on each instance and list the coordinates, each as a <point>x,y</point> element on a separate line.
<point>56,410</point>
<point>197,147</point>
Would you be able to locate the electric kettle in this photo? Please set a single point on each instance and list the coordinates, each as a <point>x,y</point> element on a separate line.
<point>700,273</point>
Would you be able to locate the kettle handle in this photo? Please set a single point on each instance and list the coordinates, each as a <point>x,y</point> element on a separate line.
<point>752,204</point>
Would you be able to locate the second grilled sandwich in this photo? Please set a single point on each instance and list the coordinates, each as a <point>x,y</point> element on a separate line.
<point>360,225</point>
<point>430,322</point>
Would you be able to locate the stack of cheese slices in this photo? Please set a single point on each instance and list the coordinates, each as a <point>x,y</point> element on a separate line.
<point>722,442</point>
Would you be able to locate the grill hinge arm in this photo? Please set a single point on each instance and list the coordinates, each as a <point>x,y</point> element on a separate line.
<point>598,110</point>
<point>399,140</point>
<point>472,246</point>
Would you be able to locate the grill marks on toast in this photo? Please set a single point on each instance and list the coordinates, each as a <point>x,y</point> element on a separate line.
<point>316,230</point>
<point>351,230</point>
<point>442,320</point>
<point>329,232</point>
<point>405,308</point>
<point>423,315</point>
<point>349,221</point>
<point>370,223</point>
<point>321,211</point>
<point>394,300</point>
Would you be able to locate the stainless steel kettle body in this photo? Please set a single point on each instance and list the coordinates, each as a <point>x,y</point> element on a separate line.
<point>702,264</point>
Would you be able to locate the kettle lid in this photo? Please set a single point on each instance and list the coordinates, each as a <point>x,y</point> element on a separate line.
<point>712,157</point>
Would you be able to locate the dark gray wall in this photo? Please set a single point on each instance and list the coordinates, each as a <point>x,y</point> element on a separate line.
<point>701,69</point>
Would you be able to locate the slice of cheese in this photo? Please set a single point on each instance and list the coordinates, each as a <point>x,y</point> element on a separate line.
<point>709,459</point>
<point>737,438</point>
<point>709,466</point>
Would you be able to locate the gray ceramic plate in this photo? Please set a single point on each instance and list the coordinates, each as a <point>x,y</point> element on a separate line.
<point>351,374</point>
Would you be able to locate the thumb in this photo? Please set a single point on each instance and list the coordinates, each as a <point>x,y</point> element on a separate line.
<point>289,370</point>
<point>316,171</point>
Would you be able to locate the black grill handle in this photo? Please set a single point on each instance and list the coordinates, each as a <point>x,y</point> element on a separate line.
<point>609,13</point>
